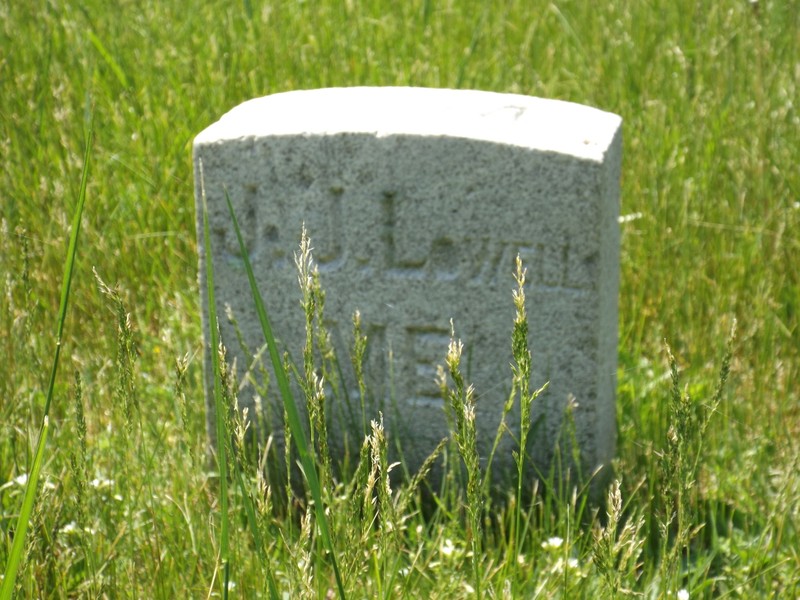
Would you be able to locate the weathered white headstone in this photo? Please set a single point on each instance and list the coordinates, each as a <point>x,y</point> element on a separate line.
<point>417,202</point>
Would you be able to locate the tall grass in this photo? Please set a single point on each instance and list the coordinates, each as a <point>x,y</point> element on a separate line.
<point>32,480</point>
<point>290,406</point>
<point>127,507</point>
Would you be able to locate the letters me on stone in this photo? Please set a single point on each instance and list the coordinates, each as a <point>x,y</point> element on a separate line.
<point>417,202</point>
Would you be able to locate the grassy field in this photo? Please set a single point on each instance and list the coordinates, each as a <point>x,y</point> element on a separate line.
<point>708,498</point>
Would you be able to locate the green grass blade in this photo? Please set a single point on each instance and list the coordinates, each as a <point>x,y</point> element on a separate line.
<point>222,461</point>
<point>298,432</point>
<point>66,281</point>
<point>9,579</point>
<point>18,546</point>
<point>110,61</point>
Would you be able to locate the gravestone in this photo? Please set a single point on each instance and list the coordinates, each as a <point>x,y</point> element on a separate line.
<point>417,202</point>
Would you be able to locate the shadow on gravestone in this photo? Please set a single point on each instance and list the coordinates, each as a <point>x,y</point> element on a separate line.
<point>417,202</point>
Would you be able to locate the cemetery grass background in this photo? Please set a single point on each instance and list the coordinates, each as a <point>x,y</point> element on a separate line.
<point>708,494</point>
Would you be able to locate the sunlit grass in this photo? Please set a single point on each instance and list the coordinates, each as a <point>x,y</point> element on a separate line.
<point>708,93</point>
<point>31,480</point>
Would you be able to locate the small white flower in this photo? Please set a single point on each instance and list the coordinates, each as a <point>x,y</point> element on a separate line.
<point>569,565</point>
<point>70,527</point>
<point>683,594</point>
<point>100,483</point>
<point>20,480</point>
<point>553,543</point>
<point>73,528</point>
<point>630,217</point>
<point>447,547</point>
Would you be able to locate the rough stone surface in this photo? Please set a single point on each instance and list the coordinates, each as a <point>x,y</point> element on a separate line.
<point>417,201</point>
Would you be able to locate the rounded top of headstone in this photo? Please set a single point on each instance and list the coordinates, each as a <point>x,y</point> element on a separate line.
<point>511,119</point>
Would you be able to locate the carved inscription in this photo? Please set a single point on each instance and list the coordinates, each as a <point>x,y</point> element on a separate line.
<point>482,260</point>
<point>425,347</point>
